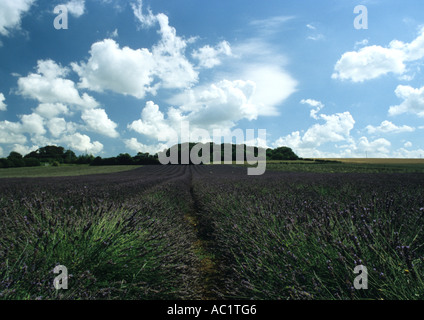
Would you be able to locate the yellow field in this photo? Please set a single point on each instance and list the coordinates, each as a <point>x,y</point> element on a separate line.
<point>376,160</point>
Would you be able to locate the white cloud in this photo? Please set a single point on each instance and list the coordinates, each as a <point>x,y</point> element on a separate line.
<point>316,37</point>
<point>23,150</point>
<point>209,57</point>
<point>141,71</point>
<point>172,67</point>
<point>408,154</point>
<point>361,43</point>
<point>82,143</point>
<point>154,125</point>
<point>220,104</point>
<point>98,121</point>
<point>137,72</point>
<point>413,101</point>
<point>336,128</point>
<point>374,61</point>
<point>262,63</point>
<point>76,7</point>
<point>126,71</point>
<point>146,20</point>
<point>407,144</point>
<point>3,106</point>
<point>11,12</point>
<point>134,145</point>
<point>114,34</point>
<point>388,127</point>
<point>273,85</point>
<point>377,148</point>
<point>217,106</point>
<point>48,86</point>
<point>317,105</point>
<point>270,26</point>
<point>51,110</point>
<point>59,127</point>
<point>33,124</point>
<point>11,132</point>
<point>14,132</point>
<point>369,63</point>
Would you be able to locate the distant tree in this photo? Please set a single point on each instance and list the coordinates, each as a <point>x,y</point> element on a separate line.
<point>98,161</point>
<point>281,153</point>
<point>145,159</point>
<point>33,154</point>
<point>69,157</point>
<point>51,153</point>
<point>5,163</point>
<point>85,159</point>
<point>16,159</point>
<point>32,162</point>
<point>124,159</point>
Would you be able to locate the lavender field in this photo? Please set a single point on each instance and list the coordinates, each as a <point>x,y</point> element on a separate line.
<point>213,232</point>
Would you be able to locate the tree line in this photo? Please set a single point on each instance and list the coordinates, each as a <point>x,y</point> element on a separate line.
<point>56,155</point>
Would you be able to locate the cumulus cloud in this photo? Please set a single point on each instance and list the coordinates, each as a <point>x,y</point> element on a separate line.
<point>134,145</point>
<point>126,71</point>
<point>336,128</point>
<point>172,67</point>
<point>11,132</point>
<point>33,124</point>
<point>82,143</point>
<point>49,86</point>
<point>377,148</point>
<point>210,57</point>
<point>23,150</point>
<point>154,125</point>
<point>407,144</point>
<point>316,105</point>
<point>217,106</point>
<point>11,12</point>
<point>51,110</point>
<point>137,72</point>
<point>98,121</point>
<point>220,104</point>
<point>57,126</point>
<point>408,154</point>
<point>76,7</point>
<point>371,62</point>
<point>3,106</point>
<point>413,101</point>
<point>388,127</point>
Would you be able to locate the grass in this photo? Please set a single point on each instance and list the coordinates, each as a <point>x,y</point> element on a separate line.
<point>61,171</point>
<point>351,165</point>
<point>397,161</point>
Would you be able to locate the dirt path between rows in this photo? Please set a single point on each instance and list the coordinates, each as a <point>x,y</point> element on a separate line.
<point>202,246</point>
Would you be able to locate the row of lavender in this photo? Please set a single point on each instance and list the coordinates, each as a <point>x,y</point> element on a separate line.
<point>120,236</point>
<point>300,236</point>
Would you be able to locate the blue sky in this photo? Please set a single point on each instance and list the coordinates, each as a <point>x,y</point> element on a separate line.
<point>124,75</point>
